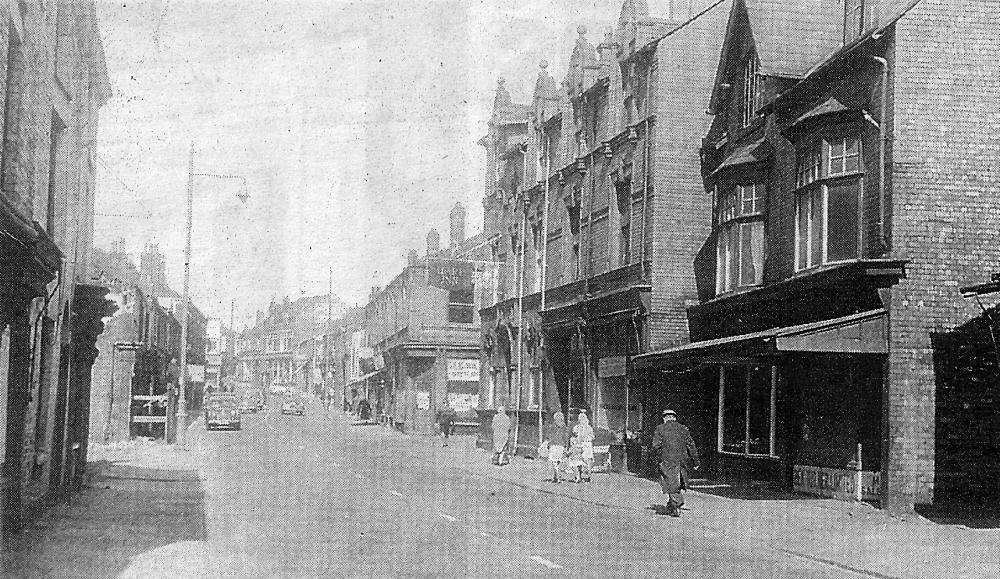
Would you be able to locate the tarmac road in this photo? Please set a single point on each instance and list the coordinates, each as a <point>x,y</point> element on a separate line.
<point>312,496</point>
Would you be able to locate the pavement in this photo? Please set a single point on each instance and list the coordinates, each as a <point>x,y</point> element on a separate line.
<point>315,496</point>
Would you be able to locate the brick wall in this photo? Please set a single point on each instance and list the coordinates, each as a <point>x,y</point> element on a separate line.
<point>681,216</point>
<point>945,216</point>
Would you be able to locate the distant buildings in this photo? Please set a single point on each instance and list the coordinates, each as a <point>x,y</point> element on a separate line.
<point>278,350</point>
<point>54,84</point>
<point>135,379</point>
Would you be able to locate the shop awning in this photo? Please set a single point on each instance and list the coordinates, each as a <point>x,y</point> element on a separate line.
<point>863,333</point>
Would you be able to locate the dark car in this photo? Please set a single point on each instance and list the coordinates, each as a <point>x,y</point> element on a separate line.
<point>222,411</point>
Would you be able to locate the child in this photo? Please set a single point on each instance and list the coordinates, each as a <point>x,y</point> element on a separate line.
<point>575,461</point>
<point>556,438</point>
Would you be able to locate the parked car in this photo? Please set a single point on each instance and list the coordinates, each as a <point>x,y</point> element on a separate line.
<point>293,407</point>
<point>221,410</point>
<point>248,406</point>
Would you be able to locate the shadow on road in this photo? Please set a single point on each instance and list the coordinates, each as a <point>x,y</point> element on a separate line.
<point>746,491</point>
<point>973,516</point>
<point>123,512</point>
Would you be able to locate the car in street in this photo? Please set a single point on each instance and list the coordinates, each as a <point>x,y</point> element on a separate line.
<point>222,411</point>
<point>293,407</point>
<point>248,406</point>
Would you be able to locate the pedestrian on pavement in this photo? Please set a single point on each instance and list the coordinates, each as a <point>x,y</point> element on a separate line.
<point>678,453</point>
<point>501,436</point>
<point>364,409</point>
<point>446,420</point>
<point>584,434</point>
<point>556,436</point>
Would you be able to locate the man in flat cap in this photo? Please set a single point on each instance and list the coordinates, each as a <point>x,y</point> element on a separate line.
<point>677,453</point>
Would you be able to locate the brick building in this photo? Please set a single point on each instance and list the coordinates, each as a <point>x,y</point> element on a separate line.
<point>422,332</point>
<point>269,353</point>
<point>54,83</point>
<point>594,208</point>
<point>852,172</point>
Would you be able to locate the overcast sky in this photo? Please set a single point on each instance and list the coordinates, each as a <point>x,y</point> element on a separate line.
<point>354,124</point>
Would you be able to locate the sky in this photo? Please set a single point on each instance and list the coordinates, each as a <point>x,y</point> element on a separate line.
<point>353,125</point>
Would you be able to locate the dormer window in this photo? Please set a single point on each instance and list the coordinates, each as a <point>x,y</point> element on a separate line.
<point>750,99</point>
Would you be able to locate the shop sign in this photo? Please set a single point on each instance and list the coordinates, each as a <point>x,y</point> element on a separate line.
<point>423,400</point>
<point>449,274</point>
<point>611,366</point>
<point>838,483</point>
<point>463,370</point>
<point>463,402</point>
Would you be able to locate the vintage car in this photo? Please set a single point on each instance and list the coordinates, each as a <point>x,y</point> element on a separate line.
<point>222,411</point>
<point>293,407</point>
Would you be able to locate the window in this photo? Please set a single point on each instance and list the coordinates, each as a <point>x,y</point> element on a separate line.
<point>460,306</point>
<point>623,192</point>
<point>747,410</point>
<point>828,204</point>
<point>854,19</point>
<point>750,99</point>
<point>740,238</point>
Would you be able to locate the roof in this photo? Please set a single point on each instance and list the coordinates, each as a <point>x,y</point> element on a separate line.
<point>818,34</point>
<point>863,332</point>
<point>751,153</point>
<point>817,24</point>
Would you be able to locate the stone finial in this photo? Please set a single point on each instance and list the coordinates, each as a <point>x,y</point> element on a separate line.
<point>543,64</point>
<point>581,30</point>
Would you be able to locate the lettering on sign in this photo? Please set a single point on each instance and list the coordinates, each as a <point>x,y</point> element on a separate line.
<point>423,400</point>
<point>838,483</point>
<point>463,402</point>
<point>460,370</point>
<point>449,274</point>
<point>611,366</point>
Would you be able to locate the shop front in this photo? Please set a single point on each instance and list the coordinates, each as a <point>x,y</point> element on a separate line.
<point>798,408</point>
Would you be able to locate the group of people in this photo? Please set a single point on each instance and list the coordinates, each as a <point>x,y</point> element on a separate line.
<point>571,450</point>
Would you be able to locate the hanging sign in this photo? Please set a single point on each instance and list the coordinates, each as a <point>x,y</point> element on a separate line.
<point>449,274</point>
<point>463,370</point>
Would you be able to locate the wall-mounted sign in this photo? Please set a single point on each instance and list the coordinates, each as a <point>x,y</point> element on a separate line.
<point>611,366</point>
<point>449,274</point>
<point>196,373</point>
<point>838,483</point>
<point>463,370</point>
<point>423,400</point>
<point>463,402</point>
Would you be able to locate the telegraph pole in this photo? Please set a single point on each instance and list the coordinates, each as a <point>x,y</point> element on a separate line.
<point>181,397</point>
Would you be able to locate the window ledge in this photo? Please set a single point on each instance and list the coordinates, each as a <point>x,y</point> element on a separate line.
<point>749,456</point>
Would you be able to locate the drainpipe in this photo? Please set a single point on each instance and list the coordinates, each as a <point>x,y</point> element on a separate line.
<point>883,164</point>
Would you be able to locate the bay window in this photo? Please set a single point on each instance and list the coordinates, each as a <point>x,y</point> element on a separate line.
<point>746,420</point>
<point>740,238</point>
<point>828,202</point>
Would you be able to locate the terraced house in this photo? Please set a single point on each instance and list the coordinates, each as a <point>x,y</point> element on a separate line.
<point>594,207</point>
<point>54,83</point>
<point>852,173</point>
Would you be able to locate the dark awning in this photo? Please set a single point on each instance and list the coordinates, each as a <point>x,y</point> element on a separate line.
<point>864,333</point>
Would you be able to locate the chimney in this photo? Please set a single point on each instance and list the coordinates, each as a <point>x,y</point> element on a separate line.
<point>433,242</point>
<point>260,317</point>
<point>412,257</point>
<point>457,225</point>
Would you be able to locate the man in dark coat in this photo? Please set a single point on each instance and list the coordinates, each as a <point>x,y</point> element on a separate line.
<point>677,453</point>
<point>446,419</point>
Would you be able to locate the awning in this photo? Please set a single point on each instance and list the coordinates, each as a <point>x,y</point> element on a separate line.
<point>863,333</point>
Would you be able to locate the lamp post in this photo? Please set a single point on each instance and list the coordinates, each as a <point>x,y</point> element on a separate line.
<point>182,380</point>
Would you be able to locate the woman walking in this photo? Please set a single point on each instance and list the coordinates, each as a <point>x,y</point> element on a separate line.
<point>583,433</point>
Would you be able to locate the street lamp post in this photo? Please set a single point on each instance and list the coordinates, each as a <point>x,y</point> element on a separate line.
<point>185,299</point>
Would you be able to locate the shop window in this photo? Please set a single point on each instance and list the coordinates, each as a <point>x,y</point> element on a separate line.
<point>828,203</point>
<point>460,306</point>
<point>740,238</point>
<point>747,410</point>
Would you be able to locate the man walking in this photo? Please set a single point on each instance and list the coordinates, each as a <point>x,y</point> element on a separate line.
<point>446,420</point>
<point>677,453</point>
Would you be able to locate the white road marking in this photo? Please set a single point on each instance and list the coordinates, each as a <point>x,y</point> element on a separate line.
<point>544,561</point>
<point>395,493</point>
<point>447,517</point>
